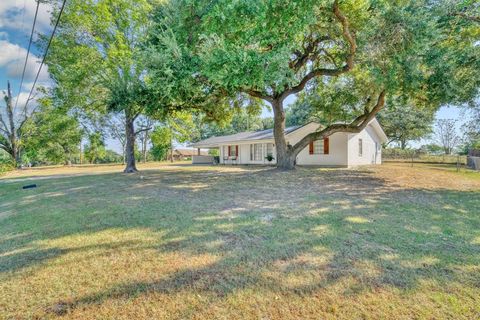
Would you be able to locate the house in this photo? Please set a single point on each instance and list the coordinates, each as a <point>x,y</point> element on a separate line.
<point>341,149</point>
<point>185,154</point>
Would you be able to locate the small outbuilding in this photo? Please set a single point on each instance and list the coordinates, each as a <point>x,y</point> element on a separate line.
<point>473,159</point>
<point>186,154</point>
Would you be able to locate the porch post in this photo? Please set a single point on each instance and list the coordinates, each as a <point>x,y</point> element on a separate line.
<point>198,151</point>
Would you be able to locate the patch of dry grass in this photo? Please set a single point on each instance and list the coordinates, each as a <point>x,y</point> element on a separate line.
<point>185,242</point>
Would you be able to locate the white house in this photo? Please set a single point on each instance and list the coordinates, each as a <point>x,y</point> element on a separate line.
<point>341,149</point>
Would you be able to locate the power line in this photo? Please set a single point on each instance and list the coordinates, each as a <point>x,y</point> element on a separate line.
<point>28,52</point>
<point>46,52</point>
<point>21,29</point>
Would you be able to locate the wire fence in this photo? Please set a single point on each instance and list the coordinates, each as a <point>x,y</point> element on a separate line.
<point>418,156</point>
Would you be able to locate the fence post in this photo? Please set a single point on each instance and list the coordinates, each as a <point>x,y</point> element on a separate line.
<point>413,154</point>
<point>458,163</point>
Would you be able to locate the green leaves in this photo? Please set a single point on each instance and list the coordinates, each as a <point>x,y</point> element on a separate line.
<point>95,57</point>
<point>52,134</point>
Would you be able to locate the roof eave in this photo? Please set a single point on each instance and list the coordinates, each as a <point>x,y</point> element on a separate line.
<point>379,130</point>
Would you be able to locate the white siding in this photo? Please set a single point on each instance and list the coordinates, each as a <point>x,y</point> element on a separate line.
<point>337,155</point>
<point>343,149</point>
<point>370,154</point>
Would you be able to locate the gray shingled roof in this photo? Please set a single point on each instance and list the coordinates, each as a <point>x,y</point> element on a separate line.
<point>242,136</point>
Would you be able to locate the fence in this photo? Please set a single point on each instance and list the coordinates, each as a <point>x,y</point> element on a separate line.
<point>418,156</point>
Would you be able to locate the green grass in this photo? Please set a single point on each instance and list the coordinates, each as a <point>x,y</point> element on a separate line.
<point>241,243</point>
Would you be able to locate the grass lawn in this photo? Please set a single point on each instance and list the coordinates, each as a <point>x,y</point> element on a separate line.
<point>184,242</point>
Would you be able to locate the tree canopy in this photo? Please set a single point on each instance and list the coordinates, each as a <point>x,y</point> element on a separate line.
<point>52,134</point>
<point>357,54</point>
<point>96,63</point>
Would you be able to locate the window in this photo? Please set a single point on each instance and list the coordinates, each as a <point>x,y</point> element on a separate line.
<point>225,152</point>
<point>318,147</point>
<point>270,149</point>
<point>233,151</point>
<point>256,152</point>
<point>360,147</point>
<point>230,151</point>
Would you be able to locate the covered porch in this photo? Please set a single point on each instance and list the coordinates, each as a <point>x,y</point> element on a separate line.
<point>248,153</point>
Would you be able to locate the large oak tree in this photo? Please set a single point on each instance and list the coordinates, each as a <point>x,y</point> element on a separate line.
<point>419,51</point>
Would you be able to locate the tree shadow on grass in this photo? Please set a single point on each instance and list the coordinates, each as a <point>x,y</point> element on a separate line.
<point>266,227</point>
<point>28,257</point>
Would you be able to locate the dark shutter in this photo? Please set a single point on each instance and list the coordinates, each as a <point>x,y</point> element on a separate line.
<point>311,148</point>
<point>236,151</point>
<point>326,145</point>
<point>229,147</point>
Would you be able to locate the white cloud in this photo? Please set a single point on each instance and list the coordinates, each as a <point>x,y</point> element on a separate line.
<point>13,15</point>
<point>22,100</point>
<point>12,57</point>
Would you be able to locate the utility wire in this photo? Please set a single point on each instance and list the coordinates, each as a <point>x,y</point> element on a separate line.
<point>28,52</point>
<point>21,29</point>
<point>46,51</point>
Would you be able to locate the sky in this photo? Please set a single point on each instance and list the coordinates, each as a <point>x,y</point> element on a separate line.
<point>16,19</point>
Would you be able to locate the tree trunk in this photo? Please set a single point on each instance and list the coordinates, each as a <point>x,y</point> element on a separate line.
<point>124,152</point>
<point>171,145</point>
<point>285,156</point>
<point>15,154</point>
<point>403,144</point>
<point>130,144</point>
<point>144,147</point>
<point>12,131</point>
<point>80,159</point>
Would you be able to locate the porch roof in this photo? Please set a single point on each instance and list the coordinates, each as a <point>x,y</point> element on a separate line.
<point>214,142</point>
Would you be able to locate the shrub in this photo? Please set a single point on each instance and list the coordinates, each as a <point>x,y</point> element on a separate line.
<point>5,166</point>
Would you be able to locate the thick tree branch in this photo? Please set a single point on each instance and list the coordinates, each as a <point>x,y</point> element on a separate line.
<point>303,58</point>
<point>5,127</point>
<point>142,130</point>
<point>349,61</point>
<point>348,35</point>
<point>357,125</point>
<point>312,74</point>
<point>258,94</point>
<point>466,16</point>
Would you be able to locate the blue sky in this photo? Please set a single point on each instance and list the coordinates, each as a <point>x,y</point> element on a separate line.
<point>16,18</point>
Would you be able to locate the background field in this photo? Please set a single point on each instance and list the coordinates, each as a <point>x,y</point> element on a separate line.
<point>177,241</point>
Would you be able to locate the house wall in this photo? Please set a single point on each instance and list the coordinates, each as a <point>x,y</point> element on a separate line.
<point>337,156</point>
<point>343,150</point>
<point>372,153</point>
